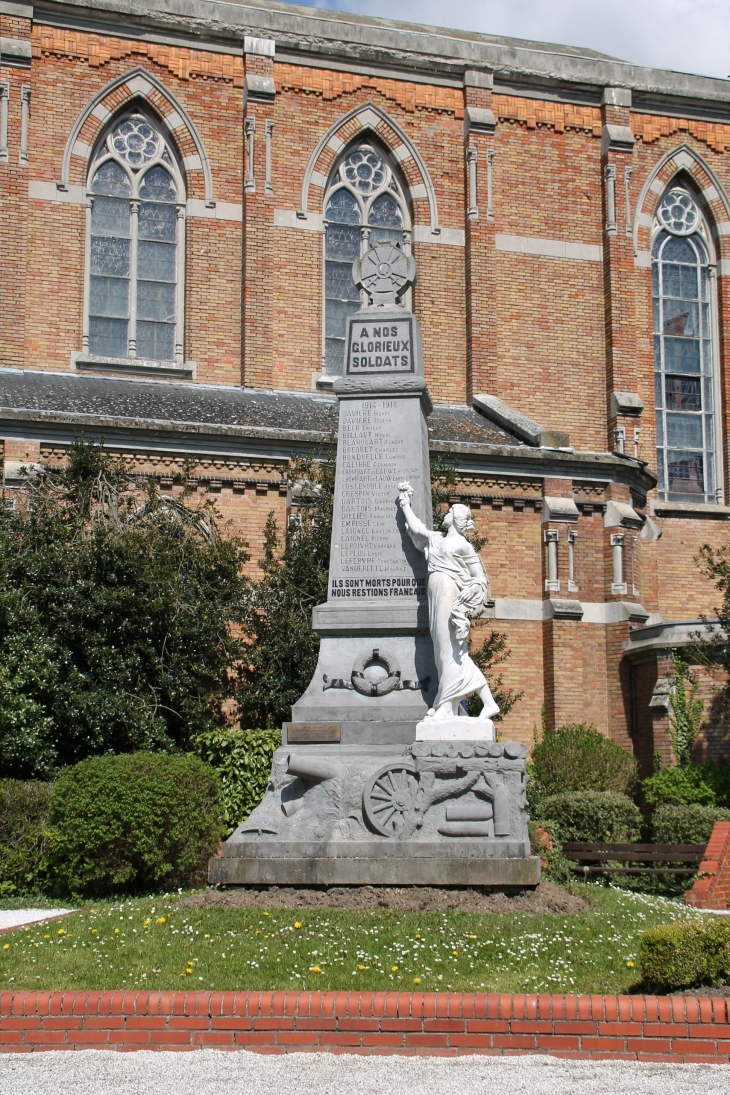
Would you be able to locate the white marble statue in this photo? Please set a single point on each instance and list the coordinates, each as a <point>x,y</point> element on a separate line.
<point>458,588</point>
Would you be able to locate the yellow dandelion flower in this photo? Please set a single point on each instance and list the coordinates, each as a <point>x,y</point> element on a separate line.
<point>297,923</point>
<point>94,931</point>
<point>6,946</point>
<point>630,964</point>
<point>393,969</point>
<point>314,969</point>
<point>359,967</point>
<point>116,931</point>
<point>416,980</point>
<point>418,937</point>
<point>160,920</point>
<point>455,954</point>
<point>472,937</point>
<point>266,914</point>
<point>61,931</point>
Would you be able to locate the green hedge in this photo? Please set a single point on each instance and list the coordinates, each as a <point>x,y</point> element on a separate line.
<point>242,759</point>
<point>133,823</point>
<point>579,758</point>
<point>688,824</point>
<point>592,816</point>
<point>694,784</point>
<point>678,787</point>
<point>23,834</point>
<point>685,955</point>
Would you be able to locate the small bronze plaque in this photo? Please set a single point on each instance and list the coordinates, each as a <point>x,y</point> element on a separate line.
<point>316,733</point>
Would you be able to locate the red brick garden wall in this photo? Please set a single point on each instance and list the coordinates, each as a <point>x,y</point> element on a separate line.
<point>644,1028</point>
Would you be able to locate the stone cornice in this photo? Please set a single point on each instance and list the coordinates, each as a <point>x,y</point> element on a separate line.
<point>340,35</point>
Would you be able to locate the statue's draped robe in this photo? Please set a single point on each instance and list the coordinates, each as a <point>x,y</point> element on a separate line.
<point>453,595</point>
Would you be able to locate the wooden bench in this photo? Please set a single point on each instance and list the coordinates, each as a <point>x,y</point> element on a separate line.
<point>600,858</point>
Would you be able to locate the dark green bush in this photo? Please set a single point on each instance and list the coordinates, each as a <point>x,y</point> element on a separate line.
<point>678,787</point>
<point>579,758</point>
<point>23,834</point>
<point>717,776</point>
<point>592,816</point>
<point>133,823</point>
<point>686,955</point>
<point>242,759</point>
<point>686,824</point>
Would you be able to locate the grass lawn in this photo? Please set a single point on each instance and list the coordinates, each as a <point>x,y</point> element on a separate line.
<point>151,944</point>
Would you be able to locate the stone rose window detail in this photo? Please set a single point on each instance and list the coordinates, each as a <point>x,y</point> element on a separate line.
<point>134,287</point>
<point>364,205</point>
<point>684,357</point>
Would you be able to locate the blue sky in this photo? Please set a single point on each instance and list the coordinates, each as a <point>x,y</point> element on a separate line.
<point>685,35</point>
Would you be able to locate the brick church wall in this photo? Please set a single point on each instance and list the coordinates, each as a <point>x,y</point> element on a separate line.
<point>550,335</point>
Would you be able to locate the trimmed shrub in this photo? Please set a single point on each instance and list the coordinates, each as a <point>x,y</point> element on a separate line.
<point>133,823</point>
<point>687,824</point>
<point>242,759</point>
<point>23,834</point>
<point>685,955</point>
<point>678,787</point>
<point>717,776</point>
<point>579,758</point>
<point>592,816</point>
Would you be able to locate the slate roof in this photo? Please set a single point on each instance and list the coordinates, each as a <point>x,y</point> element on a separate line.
<point>61,397</point>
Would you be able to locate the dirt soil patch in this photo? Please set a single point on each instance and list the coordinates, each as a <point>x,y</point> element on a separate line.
<point>544,898</point>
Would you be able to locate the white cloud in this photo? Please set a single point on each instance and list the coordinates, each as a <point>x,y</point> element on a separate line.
<point>684,35</point>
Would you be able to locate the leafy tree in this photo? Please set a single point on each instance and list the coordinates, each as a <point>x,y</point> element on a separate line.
<point>277,611</point>
<point>118,609</point>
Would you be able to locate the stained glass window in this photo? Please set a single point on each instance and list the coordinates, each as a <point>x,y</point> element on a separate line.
<point>136,192</point>
<point>364,206</point>
<point>683,358</point>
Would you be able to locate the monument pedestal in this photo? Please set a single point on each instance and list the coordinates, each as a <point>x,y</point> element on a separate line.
<point>437,814</point>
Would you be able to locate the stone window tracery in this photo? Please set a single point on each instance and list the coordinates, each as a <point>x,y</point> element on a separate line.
<point>684,371</point>
<point>135,247</point>
<point>364,205</point>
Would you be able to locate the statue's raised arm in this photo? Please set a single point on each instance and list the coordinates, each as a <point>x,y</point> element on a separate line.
<point>458,588</point>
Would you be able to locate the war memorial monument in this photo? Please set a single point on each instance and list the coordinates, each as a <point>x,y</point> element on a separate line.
<point>382,778</point>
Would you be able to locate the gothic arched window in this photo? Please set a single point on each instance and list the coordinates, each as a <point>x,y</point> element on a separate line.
<point>364,206</point>
<point>687,463</point>
<point>135,245</point>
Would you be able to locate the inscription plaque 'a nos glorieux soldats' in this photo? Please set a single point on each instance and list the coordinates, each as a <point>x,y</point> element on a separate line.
<point>353,797</point>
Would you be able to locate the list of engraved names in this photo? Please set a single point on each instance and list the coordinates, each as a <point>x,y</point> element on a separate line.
<point>377,451</point>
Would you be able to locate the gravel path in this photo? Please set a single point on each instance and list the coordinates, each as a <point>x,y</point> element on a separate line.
<point>13,918</point>
<point>211,1072</point>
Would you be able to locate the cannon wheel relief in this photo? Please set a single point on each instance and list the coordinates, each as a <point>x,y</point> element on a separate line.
<point>389,796</point>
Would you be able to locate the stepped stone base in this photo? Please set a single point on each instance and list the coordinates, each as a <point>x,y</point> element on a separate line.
<point>437,813</point>
<point>370,865</point>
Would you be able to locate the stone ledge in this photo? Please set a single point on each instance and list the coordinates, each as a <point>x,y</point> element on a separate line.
<point>701,510</point>
<point>134,365</point>
<point>379,868</point>
<point>598,1027</point>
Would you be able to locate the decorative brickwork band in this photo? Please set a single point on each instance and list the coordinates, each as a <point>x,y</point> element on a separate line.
<point>712,887</point>
<point>644,1028</point>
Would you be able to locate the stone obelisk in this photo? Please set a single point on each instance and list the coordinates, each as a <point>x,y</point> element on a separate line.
<point>376,677</point>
